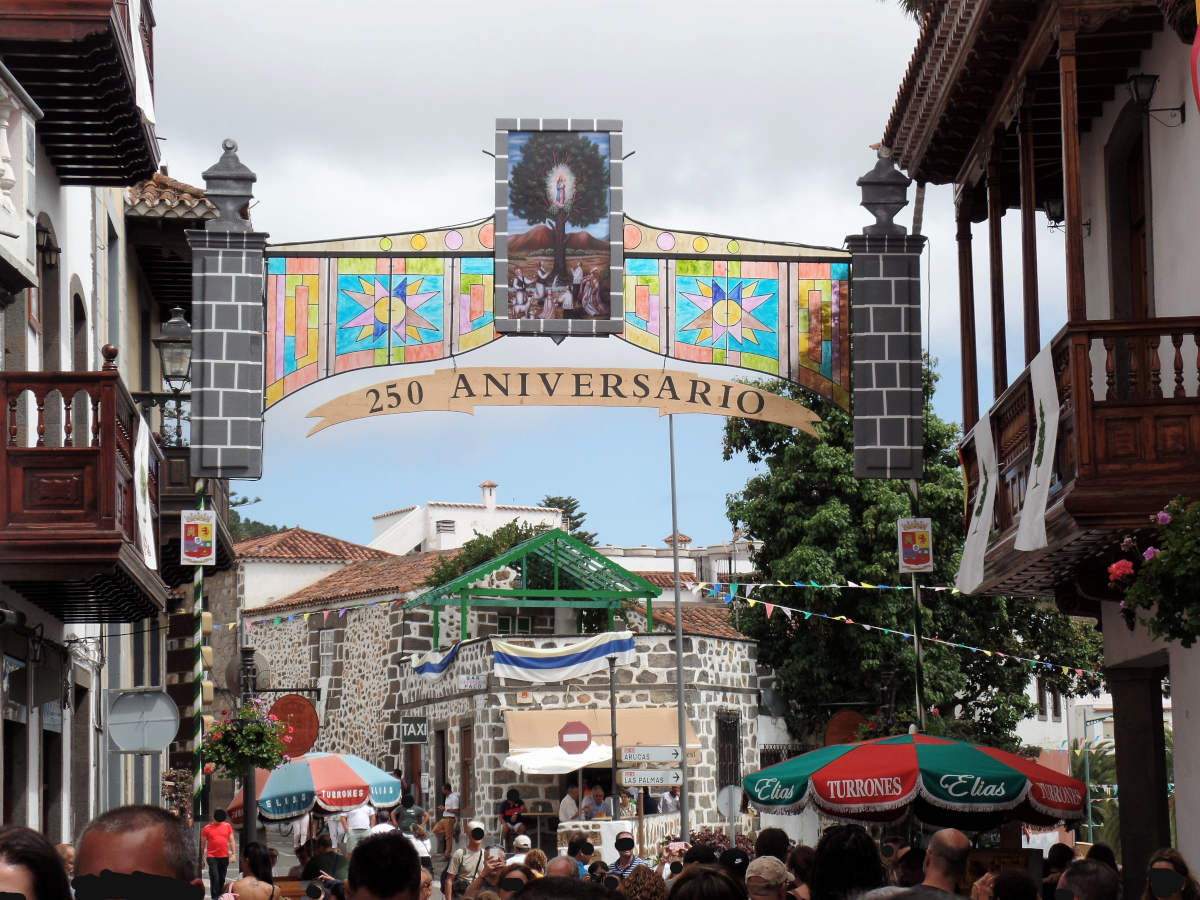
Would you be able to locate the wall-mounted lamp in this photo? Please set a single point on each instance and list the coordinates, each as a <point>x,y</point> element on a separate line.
<point>1055,214</point>
<point>1141,89</point>
<point>46,248</point>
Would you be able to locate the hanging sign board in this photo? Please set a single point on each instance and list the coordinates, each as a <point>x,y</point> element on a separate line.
<point>414,730</point>
<point>650,777</point>
<point>462,390</point>
<point>915,540</point>
<point>650,754</point>
<point>198,537</point>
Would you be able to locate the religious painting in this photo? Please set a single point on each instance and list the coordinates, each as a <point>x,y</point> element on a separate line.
<point>559,254</point>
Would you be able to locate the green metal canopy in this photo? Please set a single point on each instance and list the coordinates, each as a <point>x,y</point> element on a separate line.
<point>555,570</point>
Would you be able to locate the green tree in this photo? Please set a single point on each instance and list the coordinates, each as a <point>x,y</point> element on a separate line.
<point>240,528</point>
<point>572,517</point>
<point>817,522</point>
<point>481,548</point>
<point>529,195</point>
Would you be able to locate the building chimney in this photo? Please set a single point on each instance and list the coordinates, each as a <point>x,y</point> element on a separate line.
<point>489,494</point>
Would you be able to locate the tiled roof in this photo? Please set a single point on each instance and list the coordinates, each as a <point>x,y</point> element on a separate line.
<point>712,621</point>
<point>487,484</point>
<point>667,579</point>
<point>683,538</point>
<point>394,512</point>
<point>160,197</point>
<point>393,575</point>
<point>301,545</point>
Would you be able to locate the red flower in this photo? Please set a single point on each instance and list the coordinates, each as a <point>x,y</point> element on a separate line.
<point>290,729</point>
<point>209,769</point>
<point>1120,570</point>
<point>272,718</point>
<point>287,738</point>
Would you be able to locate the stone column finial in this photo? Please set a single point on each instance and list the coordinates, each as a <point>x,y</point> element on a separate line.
<point>228,185</point>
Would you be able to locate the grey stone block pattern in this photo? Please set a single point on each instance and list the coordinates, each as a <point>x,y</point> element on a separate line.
<point>227,353</point>
<point>576,327</point>
<point>888,436</point>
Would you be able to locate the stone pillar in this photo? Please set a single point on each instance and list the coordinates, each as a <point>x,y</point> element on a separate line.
<point>886,342</point>
<point>1185,720</point>
<point>1141,768</point>
<point>227,329</point>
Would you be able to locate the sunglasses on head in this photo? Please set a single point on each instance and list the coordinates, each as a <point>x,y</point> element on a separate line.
<point>512,884</point>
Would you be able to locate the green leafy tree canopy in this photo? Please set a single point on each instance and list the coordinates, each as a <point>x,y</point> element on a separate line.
<point>573,519</point>
<point>241,528</point>
<point>817,522</point>
<point>482,548</point>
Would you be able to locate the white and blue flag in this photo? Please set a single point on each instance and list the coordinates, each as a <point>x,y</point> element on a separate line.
<point>558,663</point>
<point>434,663</point>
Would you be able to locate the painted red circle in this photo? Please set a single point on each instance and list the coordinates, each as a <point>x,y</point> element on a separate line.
<point>298,712</point>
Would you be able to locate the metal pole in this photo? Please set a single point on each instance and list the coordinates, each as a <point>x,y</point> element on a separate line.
<point>684,830</point>
<point>612,713</point>
<point>1087,782</point>
<point>249,784</point>
<point>917,647</point>
<point>197,671</point>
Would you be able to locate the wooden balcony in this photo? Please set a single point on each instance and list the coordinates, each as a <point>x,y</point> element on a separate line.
<point>179,493</point>
<point>1128,441</point>
<point>78,59</point>
<point>69,538</point>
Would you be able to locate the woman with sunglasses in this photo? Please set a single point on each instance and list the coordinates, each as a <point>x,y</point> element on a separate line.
<point>513,878</point>
<point>1169,877</point>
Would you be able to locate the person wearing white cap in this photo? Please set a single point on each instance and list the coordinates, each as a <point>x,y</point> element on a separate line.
<point>767,879</point>
<point>521,846</point>
<point>466,863</point>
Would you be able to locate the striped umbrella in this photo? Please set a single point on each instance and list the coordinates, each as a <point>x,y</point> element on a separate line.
<point>939,780</point>
<point>334,782</point>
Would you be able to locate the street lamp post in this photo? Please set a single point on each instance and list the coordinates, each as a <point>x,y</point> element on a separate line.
<point>174,345</point>
<point>1087,770</point>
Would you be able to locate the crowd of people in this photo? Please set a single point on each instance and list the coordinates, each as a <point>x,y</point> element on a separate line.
<point>146,853</point>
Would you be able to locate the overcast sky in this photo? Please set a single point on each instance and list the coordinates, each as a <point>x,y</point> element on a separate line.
<point>363,117</point>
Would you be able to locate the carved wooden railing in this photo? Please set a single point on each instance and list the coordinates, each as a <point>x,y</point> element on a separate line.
<point>80,482</point>
<point>1129,422</point>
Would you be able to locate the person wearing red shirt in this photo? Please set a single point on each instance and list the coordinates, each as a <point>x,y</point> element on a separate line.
<point>219,845</point>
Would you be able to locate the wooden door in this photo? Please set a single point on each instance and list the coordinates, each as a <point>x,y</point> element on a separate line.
<point>467,750</point>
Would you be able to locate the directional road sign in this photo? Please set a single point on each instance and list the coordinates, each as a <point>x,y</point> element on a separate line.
<point>650,754</point>
<point>650,777</point>
<point>574,737</point>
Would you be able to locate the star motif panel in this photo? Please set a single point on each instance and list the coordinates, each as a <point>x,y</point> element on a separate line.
<point>770,308</point>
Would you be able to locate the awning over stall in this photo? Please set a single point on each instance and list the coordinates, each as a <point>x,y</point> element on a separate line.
<point>533,736</point>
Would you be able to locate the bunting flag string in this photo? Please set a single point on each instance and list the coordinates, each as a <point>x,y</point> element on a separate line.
<point>728,592</point>
<point>906,635</point>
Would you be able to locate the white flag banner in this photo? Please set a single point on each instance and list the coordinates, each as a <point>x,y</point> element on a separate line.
<point>1031,531</point>
<point>141,494</point>
<point>970,570</point>
<point>559,663</point>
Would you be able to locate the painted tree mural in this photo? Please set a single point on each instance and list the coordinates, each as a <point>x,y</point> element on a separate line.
<point>561,179</point>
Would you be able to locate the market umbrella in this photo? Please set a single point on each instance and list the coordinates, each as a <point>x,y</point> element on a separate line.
<point>939,780</point>
<point>332,781</point>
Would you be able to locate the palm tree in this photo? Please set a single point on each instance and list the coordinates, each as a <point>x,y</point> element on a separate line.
<point>914,8</point>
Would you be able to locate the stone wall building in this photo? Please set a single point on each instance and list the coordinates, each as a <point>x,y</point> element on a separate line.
<point>351,635</point>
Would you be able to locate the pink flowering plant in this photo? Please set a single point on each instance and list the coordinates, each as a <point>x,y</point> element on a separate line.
<point>250,737</point>
<point>1160,577</point>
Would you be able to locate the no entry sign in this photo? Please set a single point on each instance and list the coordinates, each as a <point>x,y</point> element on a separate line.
<point>574,737</point>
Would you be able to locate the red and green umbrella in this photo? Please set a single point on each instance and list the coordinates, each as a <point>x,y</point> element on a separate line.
<point>939,780</point>
<point>334,782</point>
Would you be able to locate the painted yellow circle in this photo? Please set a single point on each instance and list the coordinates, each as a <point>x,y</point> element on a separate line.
<point>733,247</point>
<point>726,312</point>
<point>418,242</point>
<point>385,243</point>
<point>700,244</point>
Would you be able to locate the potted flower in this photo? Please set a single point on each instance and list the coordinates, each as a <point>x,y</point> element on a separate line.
<point>1160,582</point>
<point>250,739</point>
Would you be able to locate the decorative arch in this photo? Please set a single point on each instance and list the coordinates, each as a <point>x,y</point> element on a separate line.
<point>771,308</point>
